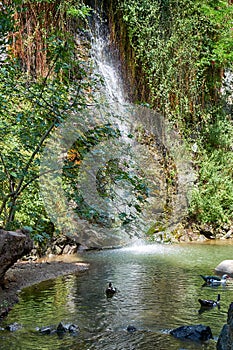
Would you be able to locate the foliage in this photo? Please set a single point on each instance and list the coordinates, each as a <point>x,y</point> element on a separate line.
<point>78,12</point>
<point>183,48</point>
<point>41,28</point>
<point>212,199</point>
<point>33,103</point>
<point>30,111</point>
<point>31,108</point>
<point>177,44</point>
<point>219,15</point>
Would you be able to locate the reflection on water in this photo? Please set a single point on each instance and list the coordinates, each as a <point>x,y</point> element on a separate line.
<point>159,287</point>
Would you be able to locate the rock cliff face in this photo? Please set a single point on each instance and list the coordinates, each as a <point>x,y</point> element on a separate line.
<point>225,340</point>
<point>13,245</point>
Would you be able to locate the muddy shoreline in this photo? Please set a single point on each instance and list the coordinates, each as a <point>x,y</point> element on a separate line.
<point>24,274</point>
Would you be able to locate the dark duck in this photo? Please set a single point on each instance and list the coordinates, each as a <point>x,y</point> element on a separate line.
<point>215,280</point>
<point>209,304</point>
<point>110,291</point>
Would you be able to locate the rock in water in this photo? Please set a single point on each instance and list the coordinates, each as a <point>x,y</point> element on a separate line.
<point>197,333</point>
<point>131,329</point>
<point>225,340</point>
<point>46,330</point>
<point>226,266</point>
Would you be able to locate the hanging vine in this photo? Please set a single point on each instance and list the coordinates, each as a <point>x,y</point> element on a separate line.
<point>42,29</point>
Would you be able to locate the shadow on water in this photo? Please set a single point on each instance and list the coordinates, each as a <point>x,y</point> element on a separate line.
<point>158,290</point>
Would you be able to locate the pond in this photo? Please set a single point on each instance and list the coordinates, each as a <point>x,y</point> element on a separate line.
<point>159,286</point>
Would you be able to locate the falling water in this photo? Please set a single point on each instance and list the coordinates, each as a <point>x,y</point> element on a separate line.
<point>133,200</point>
<point>143,160</point>
<point>107,64</point>
<point>110,93</point>
<point>107,67</point>
<point>127,118</point>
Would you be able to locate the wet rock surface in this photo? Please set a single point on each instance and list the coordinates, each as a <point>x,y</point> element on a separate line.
<point>225,340</point>
<point>61,329</point>
<point>196,333</point>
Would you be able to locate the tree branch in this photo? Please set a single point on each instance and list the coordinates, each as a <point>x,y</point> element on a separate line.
<point>46,134</point>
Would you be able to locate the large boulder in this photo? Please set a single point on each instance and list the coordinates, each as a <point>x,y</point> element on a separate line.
<point>13,246</point>
<point>225,340</point>
<point>226,266</point>
<point>196,333</point>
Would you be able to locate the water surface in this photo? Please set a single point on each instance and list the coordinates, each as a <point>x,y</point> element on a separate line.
<point>159,287</point>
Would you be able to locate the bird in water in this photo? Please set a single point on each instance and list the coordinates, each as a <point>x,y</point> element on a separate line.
<point>205,303</point>
<point>215,280</point>
<point>110,291</point>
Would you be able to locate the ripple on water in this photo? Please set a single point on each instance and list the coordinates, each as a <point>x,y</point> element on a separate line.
<point>158,285</point>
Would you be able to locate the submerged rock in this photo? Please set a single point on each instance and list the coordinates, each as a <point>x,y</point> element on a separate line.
<point>197,333</point>
<point>61,328</point>
<point>70,327</point>
<point>5,311</point>
<point>73,329</point>
<point>131,329</point>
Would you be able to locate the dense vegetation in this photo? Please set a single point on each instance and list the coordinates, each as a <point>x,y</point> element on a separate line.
<point>42,83</point>
<point>181,50</point>
<point>45,79</point>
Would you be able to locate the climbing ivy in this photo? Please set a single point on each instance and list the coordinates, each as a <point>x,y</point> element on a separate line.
<point>182,48</point>
<point>179,44</point>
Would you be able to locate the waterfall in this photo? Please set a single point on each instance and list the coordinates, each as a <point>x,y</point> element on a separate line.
<point>143,168</point>
<point>107,69</point>
<point>107,64</point>
<point>121,179</point>
<point>148,156</point>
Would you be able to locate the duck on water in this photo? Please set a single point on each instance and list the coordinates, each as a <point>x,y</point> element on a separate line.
<point>209,303</point>
<point>215,280</point>
<point>110,291</point>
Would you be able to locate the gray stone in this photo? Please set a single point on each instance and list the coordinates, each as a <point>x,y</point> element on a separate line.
<point>225,340</point>
<point>226,266</point>
<point>73,328</point>
<point>61,329</point>
<point>131,329</point>
<point>197,333</point>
